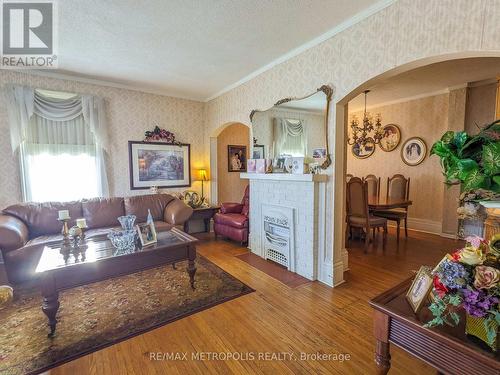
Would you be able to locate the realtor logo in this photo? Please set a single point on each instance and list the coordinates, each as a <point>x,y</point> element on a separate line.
<point>28,34</point>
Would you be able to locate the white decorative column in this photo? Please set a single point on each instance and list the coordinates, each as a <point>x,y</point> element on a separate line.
<point>305,196</point>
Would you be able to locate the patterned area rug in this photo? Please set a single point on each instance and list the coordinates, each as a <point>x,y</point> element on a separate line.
<point>100,314</point>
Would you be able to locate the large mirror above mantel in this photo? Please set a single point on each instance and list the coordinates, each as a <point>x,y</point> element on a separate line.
<point>294,127</point>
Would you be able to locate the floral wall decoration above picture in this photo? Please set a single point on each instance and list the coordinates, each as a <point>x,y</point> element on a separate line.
<point>160,135</point>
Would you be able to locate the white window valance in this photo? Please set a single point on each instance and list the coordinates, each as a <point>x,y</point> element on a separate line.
<point>23,102</point>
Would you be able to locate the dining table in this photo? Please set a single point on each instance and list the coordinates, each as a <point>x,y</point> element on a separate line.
<point>376,203</point>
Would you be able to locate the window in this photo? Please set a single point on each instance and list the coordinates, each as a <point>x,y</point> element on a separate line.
<point>58,161</point>
<point>60,155</point>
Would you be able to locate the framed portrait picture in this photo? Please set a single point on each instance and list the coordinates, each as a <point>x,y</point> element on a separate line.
<point>147,234</point>
<point>420,289</point>
<point>319,153</point>
<point>414,151</point>
<point>236,158</point>
<point>159,164</point>
<point>391,138</point>
<point>258,152</point>
<point>363,151</point>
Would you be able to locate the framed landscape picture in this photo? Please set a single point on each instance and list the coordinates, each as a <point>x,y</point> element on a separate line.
<point>159,164</point>
<point>236,158</point>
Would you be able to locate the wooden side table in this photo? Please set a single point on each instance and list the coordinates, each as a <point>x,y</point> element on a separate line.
<point>448,349</point>
<point>203,213</point>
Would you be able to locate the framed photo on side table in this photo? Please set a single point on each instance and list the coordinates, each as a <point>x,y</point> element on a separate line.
<point>420,289</point>
<point>159,164</point>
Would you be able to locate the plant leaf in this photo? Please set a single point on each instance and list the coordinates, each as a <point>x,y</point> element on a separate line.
<point>474,179</point>
<point>448,137</point>
<point>440,149</point>
<point>459,139</point>
<point>491,158</point>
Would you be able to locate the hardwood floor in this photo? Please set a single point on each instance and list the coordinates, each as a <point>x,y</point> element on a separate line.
<point>310,318</point>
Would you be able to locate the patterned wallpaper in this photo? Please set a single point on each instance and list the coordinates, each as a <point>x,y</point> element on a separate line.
<point>412,32</point>
<point>129,114</point>
<point>426,118</point>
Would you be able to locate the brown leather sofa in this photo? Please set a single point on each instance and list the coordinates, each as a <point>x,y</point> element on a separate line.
<point>25,228</point>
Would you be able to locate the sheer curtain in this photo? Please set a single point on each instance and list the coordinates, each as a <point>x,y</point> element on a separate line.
<point>61,144</point>
<point>290,137</point>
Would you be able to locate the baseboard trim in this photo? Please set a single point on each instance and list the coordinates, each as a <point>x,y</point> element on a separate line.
<point>422,225</point>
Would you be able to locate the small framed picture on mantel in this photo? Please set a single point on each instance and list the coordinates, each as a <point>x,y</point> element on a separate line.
<point>159,164</point>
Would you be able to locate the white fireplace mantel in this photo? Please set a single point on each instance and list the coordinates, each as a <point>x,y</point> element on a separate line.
<point>304,197</point>
<point>285,177</point>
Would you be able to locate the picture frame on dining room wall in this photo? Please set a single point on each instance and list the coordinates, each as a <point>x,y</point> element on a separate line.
<point>413,151</point>
<point>159,164</point>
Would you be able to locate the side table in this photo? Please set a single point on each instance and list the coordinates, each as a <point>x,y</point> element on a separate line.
<point>202,213</point>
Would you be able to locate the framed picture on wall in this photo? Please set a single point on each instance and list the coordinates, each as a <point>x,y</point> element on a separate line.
<point>414,151</point>
<point>258,152</point>
<point>391,137</point>
<point>363,151</point>
<point>236,158</point>
<point>159,164</point>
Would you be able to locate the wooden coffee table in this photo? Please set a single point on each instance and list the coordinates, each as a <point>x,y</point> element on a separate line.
<point>98,260</point>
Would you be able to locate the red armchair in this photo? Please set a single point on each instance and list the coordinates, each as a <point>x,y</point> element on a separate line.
<point>232,220</point>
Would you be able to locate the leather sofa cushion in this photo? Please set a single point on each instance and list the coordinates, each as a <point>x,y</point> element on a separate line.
<point>232,220</point>
<point>103,212</point>
<point>41,218</point>
<point>140,204</point>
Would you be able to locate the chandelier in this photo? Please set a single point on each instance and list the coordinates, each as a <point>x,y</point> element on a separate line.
<point>369,132</point>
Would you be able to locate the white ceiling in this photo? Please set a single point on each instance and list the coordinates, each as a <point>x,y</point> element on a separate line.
<point>428,80</point>
<point>193,48</point>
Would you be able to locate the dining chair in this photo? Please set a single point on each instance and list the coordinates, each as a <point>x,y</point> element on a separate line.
<point>398,188</point>
<point>373,186</point>
<point>358,215</point>
<point>348,177</point>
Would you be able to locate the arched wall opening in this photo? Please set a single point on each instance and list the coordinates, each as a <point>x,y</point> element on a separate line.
<point>226,185</point>
<point>340,132</point>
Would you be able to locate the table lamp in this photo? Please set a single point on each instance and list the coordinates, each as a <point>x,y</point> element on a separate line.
<point>202,176</point>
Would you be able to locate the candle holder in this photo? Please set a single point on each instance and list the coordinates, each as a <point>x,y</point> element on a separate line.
<point>65,232</point>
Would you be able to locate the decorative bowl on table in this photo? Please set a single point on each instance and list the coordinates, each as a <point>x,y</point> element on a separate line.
<point>122,239</point>
<point>127,222</point>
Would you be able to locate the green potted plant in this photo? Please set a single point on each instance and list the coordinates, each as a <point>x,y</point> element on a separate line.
<point>474,163</point>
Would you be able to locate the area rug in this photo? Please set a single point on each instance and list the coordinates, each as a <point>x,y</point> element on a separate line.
<point>101,314</point>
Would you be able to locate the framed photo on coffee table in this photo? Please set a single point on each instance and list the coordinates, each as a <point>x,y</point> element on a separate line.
<point>147,234</point>
<point>159,164</point>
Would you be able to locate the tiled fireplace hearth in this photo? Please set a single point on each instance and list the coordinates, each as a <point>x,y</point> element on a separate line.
<point>287,222</point>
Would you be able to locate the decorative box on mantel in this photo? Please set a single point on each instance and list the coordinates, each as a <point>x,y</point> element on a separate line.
<point>287,222</point>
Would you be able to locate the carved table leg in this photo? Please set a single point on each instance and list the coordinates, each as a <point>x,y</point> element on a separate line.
<point>191,265</point>
<point>381,323</point>
<point>50,303</point>
<point>383,357</point>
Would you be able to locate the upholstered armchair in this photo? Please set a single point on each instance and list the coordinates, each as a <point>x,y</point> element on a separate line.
<point>232,220</point>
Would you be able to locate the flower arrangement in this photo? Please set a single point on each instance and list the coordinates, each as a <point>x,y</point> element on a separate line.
<point>160,135</point>
<point>469,279</point>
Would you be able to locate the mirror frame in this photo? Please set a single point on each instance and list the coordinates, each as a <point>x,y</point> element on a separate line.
<point>328,90</point>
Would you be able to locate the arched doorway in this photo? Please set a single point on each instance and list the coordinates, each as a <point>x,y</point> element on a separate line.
<point>226,184</point>
<point>341,133</point>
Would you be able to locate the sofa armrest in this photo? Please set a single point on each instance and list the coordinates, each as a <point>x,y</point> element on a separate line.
<point>177,212</point>
<point>231,208</point>
<point>13,233</point>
